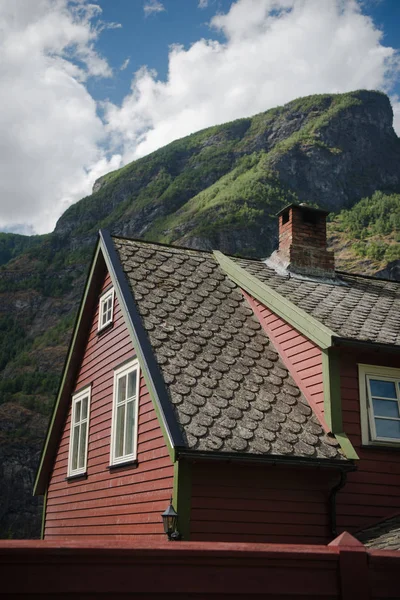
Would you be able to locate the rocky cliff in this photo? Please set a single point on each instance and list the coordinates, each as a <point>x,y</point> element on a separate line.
<point>218,188</point>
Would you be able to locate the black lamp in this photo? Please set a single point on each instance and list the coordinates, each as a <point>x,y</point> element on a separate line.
<point>170,522</point>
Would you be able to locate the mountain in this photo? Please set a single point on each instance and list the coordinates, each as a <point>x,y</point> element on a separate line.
<point>218,188</point>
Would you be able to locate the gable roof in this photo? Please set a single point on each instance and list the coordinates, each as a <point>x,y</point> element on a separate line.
<point>229,388</point>
<point>216,381</point>
<point>385,535</point>
<point>354,307</point>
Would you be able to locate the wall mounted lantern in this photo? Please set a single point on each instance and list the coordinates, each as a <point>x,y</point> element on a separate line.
<point>170,522</point>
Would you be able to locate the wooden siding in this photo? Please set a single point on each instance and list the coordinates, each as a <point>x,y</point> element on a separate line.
<point>266,504</point>
<point>373,491</point>
<point>126,501</point>
<point>302,357</point>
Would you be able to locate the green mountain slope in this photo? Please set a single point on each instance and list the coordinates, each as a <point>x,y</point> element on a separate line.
<point>367,237</point>
<point>218,188</point>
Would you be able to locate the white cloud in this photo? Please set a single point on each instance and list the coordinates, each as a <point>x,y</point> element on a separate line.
<point>202,4</point>
<point>153,7</point>
<point>54,142</point>
<point>275,50</point>
<point>125,64</point>
<point>50,134</point>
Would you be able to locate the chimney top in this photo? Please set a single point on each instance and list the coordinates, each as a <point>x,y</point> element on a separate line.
<point>303,207</point>
<point>302,242</point>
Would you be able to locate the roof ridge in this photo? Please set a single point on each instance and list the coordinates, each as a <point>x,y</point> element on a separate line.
<point>239,256</point>
<point>161,244</point>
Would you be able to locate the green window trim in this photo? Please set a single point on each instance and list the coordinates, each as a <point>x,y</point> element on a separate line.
<point>368,431</point>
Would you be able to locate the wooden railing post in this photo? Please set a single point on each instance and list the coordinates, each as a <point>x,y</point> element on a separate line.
<point>353,568</point>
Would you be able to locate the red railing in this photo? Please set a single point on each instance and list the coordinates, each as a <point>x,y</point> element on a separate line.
<point>344,570</point>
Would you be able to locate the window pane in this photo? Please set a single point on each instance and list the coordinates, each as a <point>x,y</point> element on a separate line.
<point>387,428</point>
<point>82,446</point>
<point>385,389</point>
<point>75,443</point>
<point>121,389</point>
<point>386,408</point>
<point>129,427</point>
<point>119,431</point>
<point>132,384</point>
<point>77,412</point>
<point>84,408</point>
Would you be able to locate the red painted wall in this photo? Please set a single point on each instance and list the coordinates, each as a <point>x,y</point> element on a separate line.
<point>302,357</point>
<point>126,501</point>
<point>265,504</point>
<point>373,492</point>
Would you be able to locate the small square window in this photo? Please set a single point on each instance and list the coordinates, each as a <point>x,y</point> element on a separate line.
<point>106,309</point>
<point>380,404</point>
<point>78,442</point>
<point>125,413</point>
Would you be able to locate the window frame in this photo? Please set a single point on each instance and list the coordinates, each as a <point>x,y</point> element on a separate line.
<point>125,369</point>
<point>103,299</point>
<point>368,428</point>
<point>77,397</point>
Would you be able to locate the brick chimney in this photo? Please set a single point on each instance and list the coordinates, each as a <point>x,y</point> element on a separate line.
<point>302,241</point>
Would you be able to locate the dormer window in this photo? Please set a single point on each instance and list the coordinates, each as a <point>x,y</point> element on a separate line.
<point>380,404</point>
<point>106,308</point>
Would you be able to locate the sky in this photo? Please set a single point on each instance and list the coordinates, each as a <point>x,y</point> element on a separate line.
<point>87,86</point>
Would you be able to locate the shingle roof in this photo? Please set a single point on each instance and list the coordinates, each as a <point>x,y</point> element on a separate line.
<point>356,307</point>
<point>385,535</point>
<point>228,386</point>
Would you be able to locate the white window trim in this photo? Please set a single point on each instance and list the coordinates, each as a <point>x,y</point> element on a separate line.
<point>75,398</point>
<point>103,298</point>
<point>368,431</point>
<point>123,370</point>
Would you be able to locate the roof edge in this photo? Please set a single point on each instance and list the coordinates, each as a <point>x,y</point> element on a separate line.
<point>151,371</point>
<point>39,484</point>
<point>340,341</point>
<point>275,459</point>
<point>297,317</point>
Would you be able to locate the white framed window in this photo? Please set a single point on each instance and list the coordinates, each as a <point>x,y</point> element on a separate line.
<point>125,413</point>
<point>78,442</point>
<point>380,404</point>
<point>106,309</point>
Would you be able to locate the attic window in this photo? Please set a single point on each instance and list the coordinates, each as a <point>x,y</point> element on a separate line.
<point>106,309</point>
<point>380,403</point>
<point>285,218</point>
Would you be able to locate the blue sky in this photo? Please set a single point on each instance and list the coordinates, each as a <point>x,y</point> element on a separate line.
<point>86,86</point>
<point>145,39</point>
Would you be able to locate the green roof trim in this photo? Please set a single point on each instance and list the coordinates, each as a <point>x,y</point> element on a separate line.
<point>315,331</point>
<point>346,446</point>
<point>43,516</point>
<point>182,495</point>
<point>297,317</point>
<point>333,401</point>
<point>38,487</point>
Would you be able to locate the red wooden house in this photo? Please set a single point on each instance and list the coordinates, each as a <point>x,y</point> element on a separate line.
<point>263,396</point>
